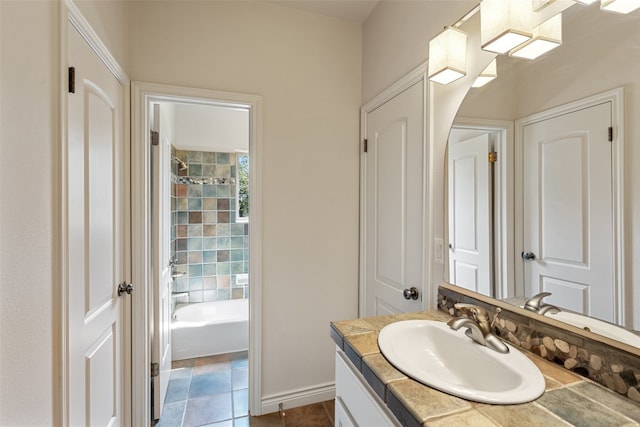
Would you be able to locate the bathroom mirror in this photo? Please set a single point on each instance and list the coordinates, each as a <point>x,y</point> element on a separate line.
<point>599,53</point>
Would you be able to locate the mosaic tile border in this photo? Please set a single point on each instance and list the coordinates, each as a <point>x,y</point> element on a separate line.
<point>612,367</point>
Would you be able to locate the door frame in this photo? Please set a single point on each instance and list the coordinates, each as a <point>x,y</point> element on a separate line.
<point>503,204</point>
<point>624,311</point>
<point>70,15</point>
<point>417,75</point>
<point>142,94</point>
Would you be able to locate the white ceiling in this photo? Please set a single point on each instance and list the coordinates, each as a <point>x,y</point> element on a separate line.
<point>351,10</point>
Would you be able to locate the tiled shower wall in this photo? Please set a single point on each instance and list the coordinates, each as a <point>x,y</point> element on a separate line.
<point>210,247</point>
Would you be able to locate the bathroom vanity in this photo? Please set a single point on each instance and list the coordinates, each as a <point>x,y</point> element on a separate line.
<point>372,392</point>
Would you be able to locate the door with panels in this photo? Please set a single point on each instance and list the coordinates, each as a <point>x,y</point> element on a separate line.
<point>393,218</point>
<point>95,239</point>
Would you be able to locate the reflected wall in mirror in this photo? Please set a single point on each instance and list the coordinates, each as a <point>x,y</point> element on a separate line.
<point>548,214</point>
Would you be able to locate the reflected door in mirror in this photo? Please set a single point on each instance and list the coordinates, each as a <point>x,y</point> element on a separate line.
<point>568,212</point>
<point>470,187</point>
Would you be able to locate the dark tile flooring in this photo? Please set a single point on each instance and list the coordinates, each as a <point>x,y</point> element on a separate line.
<point>213,392</point>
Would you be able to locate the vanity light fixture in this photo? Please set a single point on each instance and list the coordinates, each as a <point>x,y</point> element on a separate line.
<point>619,6</point>
<point>546,36</point>
<point>448,56</point>
<point>488,74</point>
<point>504,24</point>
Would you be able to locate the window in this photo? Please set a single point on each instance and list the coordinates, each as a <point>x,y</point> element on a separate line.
<point>242,187</point>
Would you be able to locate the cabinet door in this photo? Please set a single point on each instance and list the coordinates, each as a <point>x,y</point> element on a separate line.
<point>343,418</point>
<point>363,407</point>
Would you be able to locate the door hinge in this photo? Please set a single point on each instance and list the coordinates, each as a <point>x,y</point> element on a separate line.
<point>493,157</point>
<point>155,138</point>
<point>72,79</point>
<point>155,369</point>
<point>366,144</point>
<point>610,134</point>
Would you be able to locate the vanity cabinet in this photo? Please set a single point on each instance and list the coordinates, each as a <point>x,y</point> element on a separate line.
<point>357,405</point>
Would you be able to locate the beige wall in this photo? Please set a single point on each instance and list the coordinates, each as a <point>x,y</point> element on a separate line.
<point>396,38</point>
<point>26,221</point>
<point>307,69</point>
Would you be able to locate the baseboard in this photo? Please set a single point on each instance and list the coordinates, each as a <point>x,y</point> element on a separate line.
<point>300,397</point>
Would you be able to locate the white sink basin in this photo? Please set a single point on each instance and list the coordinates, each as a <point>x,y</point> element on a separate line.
<point>597,326</point>
<point>448,360</point>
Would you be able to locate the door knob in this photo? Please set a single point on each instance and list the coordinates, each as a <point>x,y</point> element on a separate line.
<point>528,256</point>
<point>411,293</point>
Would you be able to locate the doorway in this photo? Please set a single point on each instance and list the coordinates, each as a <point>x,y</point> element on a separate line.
<point>204,251</point>
<point>480,206</point>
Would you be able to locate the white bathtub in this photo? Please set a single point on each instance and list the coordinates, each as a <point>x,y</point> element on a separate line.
<point>208,328</point>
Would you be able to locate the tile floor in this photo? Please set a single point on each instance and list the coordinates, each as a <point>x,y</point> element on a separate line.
<point>213,392</point>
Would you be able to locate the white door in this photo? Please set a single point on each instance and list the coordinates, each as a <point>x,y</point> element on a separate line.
<point>96,241</point>
<point>393,216</point>
<point>162,268</point>
<point>469,180</point>
<point>568,211</point>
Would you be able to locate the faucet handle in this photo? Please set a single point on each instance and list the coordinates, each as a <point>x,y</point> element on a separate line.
<point>535,302</point>
<point>478,313</point>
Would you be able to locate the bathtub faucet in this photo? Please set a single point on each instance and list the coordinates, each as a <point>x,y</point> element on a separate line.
<point>175,294</point>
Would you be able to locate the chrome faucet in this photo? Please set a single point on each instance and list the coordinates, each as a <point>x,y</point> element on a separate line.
<point>478,327</point>
<point>536,305</point>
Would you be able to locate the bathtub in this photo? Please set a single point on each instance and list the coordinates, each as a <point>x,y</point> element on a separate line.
<point>208,328</point>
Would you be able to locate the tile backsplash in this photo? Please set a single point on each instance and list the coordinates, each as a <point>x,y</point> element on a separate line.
<point>210,246</point>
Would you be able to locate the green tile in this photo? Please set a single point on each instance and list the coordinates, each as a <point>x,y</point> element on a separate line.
<point>195,204</point>
<point>223,268</point>
<point>209,171</point>
<point>208,190</point>
<point>194,157</point>
<point>209,243</point>
<point>224,294</point>
<point>237,229</point>
<point>237,267</point>
<point>236,255</point>
<point>609,399</point>
<point>222,158</point>
<point>237,242</point>
<point>224,242</point>
<point>195,270</point>
<point>194,190</point>
<point>195,170</point>
<point>195,230</point>
<point>209,256</point>
<point>209,270</point>
<point>578,410</point>
<point>208,158</point>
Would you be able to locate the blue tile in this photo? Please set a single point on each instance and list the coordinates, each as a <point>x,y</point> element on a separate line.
<point>208,384</point>
<point>240,377</point>
<point>195,270</point>
<point>194,243</point>
<point>241,422</point>
<point>195,170</point>
<point>240,403</point>
<point>172,414</point>
<point>178,389</point>
<point>209,256</point>
<point>237,242</point>
<point>240,359</point>
<point>223,191</point>
<point>208,409</point>
<point>224,242</point>
<point>208,190</point>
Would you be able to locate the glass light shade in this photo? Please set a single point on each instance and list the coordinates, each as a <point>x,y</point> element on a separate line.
<point>546,36</point>
<point>488,74</point>
<point>620,6</point>
<point>448,56</point>
<point>504,24</point>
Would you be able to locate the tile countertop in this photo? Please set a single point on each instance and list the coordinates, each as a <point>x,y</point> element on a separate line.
<point>568,399</point>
